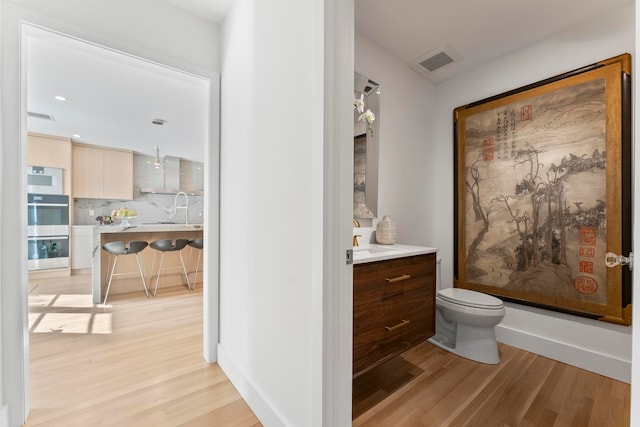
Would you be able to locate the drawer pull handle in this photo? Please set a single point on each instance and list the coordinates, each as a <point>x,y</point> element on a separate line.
<point>398,326</point>
<point>399,279</point>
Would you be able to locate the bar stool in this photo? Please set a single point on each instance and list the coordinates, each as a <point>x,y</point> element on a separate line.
<point>167,245</point>
<point>195,244</point>
<point>119,248</point>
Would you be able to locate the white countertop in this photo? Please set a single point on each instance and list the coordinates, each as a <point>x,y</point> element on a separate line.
<point>146,228</point>
<point>376,252</point>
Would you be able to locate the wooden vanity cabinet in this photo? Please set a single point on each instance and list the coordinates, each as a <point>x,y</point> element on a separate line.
<point>393,308</point>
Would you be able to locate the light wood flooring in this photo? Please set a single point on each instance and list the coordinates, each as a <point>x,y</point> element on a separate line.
<point>135,362</point>
<point>138,362</point>
<point>431,387</point>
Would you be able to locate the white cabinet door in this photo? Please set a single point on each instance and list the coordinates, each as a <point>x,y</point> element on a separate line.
<point>81,246</point>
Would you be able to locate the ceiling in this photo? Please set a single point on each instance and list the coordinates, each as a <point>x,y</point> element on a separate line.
<point>212,10</point>
<point>112,98</point>
<point>477,31</point>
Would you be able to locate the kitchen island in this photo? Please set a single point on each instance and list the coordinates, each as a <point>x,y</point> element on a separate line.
<point>149,233</point>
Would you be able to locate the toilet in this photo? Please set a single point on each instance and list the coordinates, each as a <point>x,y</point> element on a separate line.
<point>465,324</point>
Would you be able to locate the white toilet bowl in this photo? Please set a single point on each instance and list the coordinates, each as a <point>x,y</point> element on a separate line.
<point>465,324</point>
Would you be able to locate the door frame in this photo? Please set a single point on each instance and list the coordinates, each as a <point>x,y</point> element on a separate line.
<point>21,380</point>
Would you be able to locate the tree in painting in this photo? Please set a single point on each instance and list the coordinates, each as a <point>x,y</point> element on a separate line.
<point>481,211</point>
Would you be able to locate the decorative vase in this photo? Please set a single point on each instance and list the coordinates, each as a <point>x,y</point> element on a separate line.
<point>386,231</point>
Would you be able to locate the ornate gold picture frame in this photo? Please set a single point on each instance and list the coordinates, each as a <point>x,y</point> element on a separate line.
<point>543,192</point>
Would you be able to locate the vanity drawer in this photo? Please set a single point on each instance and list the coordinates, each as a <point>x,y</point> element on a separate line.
<point>393,326</point>
<point>415,316</point>
<point>386,279</point>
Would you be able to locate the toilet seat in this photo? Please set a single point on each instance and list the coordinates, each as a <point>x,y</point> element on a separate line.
<point>470,298</point>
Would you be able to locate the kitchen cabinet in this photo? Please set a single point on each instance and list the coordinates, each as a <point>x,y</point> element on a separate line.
<point>102,173</point>
<point>118,175</point>
<point>81,246</point>
<point>51,151</point>
<point>393,308</point>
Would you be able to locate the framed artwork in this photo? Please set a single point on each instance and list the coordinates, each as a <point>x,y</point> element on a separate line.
<point>543,192</point>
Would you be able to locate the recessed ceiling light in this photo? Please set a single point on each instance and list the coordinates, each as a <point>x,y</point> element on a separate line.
<point>60,98</point>
<point>75,135</point>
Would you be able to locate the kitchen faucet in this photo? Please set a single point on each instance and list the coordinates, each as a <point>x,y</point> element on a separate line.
<point>185,206</point>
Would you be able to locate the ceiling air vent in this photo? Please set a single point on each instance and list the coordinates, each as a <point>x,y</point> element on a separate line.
<point>438,58</point>
<point>364,85</point>
<point>40,116</point>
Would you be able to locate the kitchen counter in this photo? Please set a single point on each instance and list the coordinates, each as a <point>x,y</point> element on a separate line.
<point>144,232</point>
<point>376,252</point>
<point>133,228</point>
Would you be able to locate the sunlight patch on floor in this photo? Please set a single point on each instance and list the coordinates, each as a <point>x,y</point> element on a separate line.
<point>61,300</point>
<point>70,323</point>
<point>68,314</point>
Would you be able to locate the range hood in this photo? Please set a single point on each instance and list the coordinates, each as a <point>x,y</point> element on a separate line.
<point>171,179</point>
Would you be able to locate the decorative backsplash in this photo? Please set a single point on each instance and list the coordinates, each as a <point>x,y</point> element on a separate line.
<point>150,207</point>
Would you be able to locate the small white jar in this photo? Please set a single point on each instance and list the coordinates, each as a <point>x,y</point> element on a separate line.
<point>386,231</point>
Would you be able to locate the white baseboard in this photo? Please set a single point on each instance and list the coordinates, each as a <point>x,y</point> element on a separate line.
<point>583,358</point>
<point>251,394</point>
<point>4,416</point>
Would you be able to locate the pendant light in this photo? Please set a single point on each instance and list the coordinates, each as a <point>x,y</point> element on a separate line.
<point>158,122</point>
<point>156,163</point>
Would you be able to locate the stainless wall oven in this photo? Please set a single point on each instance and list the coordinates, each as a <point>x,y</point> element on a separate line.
<point>48,231</point>
<point>44,180</point>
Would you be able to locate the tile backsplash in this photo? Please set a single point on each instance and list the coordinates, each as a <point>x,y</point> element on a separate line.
<point>150,207</point>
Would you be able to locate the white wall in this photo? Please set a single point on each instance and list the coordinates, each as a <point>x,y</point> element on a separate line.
<point>406,120</point>
<point>271,240</point>
<point>147,28</point>
<point>592,345</point>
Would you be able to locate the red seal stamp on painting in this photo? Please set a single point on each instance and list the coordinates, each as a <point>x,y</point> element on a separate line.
<point>585,285</point>
<point>526,112</point>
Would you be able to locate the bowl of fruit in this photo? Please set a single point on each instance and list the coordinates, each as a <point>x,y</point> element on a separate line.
<point>124,215</point>
<point>104,219</point>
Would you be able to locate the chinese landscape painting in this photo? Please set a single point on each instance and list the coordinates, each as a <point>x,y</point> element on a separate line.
<point>539,199</point>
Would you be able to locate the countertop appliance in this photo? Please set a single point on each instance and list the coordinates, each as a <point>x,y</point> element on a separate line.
<point>48,231</point>
<point>44,180</point>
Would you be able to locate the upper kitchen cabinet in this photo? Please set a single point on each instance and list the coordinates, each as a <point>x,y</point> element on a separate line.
<point>118,174</point>
<point>53,152</point>
<point>102,173</point>
<point>50,151</point>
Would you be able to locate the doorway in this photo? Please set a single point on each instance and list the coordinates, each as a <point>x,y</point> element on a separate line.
<point>206,88</point>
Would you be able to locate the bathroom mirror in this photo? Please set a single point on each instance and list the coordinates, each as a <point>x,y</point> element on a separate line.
<point>365,148</point>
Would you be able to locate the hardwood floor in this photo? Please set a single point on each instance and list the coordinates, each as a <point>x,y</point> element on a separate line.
<point>138,362</point>
<point>135,362</point>
<point>431,387</point>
